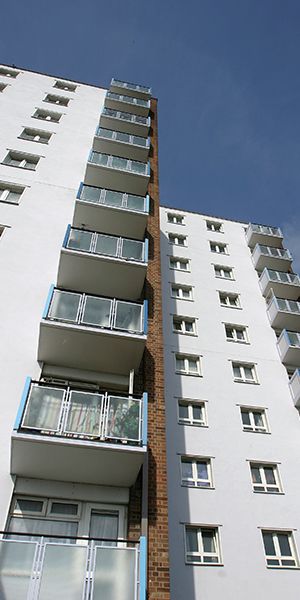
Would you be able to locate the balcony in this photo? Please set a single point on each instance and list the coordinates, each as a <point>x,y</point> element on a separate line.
<point>92,437</point>
<point>121,144</point>
<point>136,106</point>
<point>295,387</point>
<point>261,234</point>
<point>131,89</point>
<point>90,332</point>
<point>117,173</point>
<point>289,347</point>
<point>284,314</point>
<point>102,264</point>
<point>33,567</point>
<point>284,285</point>
<point>272,258</point>
<point>123,121</point>
<point>111,212</point>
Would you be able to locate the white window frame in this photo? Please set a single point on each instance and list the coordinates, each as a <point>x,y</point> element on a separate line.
<point>59,100</point>
<point>2,86</point>
<point>242,366</point>
<point>180,288</point>
<point>23,158</point>
<point>278,556</point>
<point>190,404</point>
<point>253,427</point>
<point>226,296</point>
<point>218,248</point>
<point>40,136</point>
<point>45,115</point>
<point>195,482</point>
<point>183,325</point>
<point>200,554</point>
<point>176,261</point>
<point>224,269</point>
<point>235,329</point>
<point>211,226</point>
<point>6,189</point>
<point>67,87</point>
<point>174,239</point>
<point>186,358</point>
<point>4,72</point>
<point>274,488</point>
<point>175,218</point>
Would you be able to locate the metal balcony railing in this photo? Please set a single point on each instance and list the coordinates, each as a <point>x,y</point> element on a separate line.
<point>66,411</point>
<point>281,276</point>
<point>105,245</point>
<point>121,164</point>
<point>266,230</point>
<point>125,116</point>
<point>131,86</point>
<point>35,567</point>
<point>291,306</point>
<point>120,136</point>
<point>274,252</point>
<point>128,99</point>
<point>101,196</point>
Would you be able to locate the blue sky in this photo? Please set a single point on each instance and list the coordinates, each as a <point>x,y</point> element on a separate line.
<point>227,76</point>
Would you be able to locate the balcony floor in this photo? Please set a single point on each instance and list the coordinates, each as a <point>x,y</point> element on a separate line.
<point>110,219</point>
<point>126,150</point>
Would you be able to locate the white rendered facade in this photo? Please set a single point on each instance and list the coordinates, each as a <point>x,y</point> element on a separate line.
<point>213,492</point>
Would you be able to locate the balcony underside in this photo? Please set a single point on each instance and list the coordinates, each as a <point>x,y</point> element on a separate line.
<point>96,274</point>
<point>134,109</point>
<point>114,179</point>
<point>264,239</point>
<point>89,348</point>
<point>295,388</point>
<point>62,459</point>
<point>289,355</point>
<point>110,220</point>
<point>135,93</point>
<point>280,319</point>
<point>280,289</point>
<point>275,263</point>
<point>116,148</point>
<point>124,126</point>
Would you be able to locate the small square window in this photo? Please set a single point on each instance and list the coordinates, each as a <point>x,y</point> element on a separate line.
<point>45,115</point>
<point>254,419</point>
<point>214,226</point>
<point>202,545</point>
<point>265,478</point>
<point>196,472</point>
<point>177,240</point>
<point>236,333</point>
<point>223,272</point>
<point>175,218</point>
<point>187,364</point>
<point>182,292</point>
<point>192,412</point>
<point>23,161</point>
<point>179,264</point>
<point>185,325</point>
<point>2,87</point>
<point>59,100</point>
<point>218,247</point>
<point>62,85</point>
<point>10,193</point>
<point>231,300</point>
<point>280,549</point>
<point>244,372</point>
<point>35,135</point>
<point>4,71</point>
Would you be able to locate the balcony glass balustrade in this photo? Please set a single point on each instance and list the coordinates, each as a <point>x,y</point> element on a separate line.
<point>263,234</point>
<point>128,99</point>
<point>117,172</point>
<point>130,86</point>
<point>289,347</point>
<point>117,162</point>
<point>96,195</point>
<point>125,121</point>
<point>284,285</point>
<point>276,252</point>
<point>105,245</point>
<point>283,313</point>
<point>38,568</point>
<point>124,116</point>
<point>123,137</point>
<point>268,256</point>
<point>121,143</point>
<point>295,387</point>
<point>265,229</point>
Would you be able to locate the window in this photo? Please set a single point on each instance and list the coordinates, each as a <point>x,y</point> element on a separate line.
<point>244,372</point>
<point>280,549</point>
<point>62,85</point>
<point>1,229</point>
<point>8,72</point>
<point>2,87</point>
<point>35,135</point>
<point>202,545</point>
<point>177,240</point>
<point>254,419</point>
<point>182,292</point>
<point>223,272</point>
<point>196,472</point>
<point>59,100</point>
<point>265,478</point>
<point>236,333</point>
<point>214,226</point>
<point>10,193</point>
<point>179,264</point>
<point>184,325</point>
<point>44,115</point>
<point>175,218</point>
<point>231,300</point>
<point>188,364</point>
<point>219,248</point>
<point>19,159</point>
<point>191,412</point>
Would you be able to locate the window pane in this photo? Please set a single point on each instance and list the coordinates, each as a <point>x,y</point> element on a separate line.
<point>258,419</point>
<point>208,540</point>
<point>197,412</point>
<point>284,544</point>
<point>256,477</point>
<point>24,505</point>
<point>187,469</point>
<point>64,306</point>
<point>246,417</point>
<point>248,373</point>
<point>104,525</point>
<point>186,293</point>
<point>96,312</point>
<point>270,475</point>
<point>269,544</point>
<point>202,470</point>
<point>179,364</point>
<point>236,371</point>
<point>193,365</point>
<point>64,508</point>
<point>191,540</point>
<point>43,408</point>
<point>79,240</point>
<point>183,411</point>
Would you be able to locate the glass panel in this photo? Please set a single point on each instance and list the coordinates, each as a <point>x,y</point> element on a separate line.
<point>104,525</point>
<point>256,477</point>
<point>125,116</point>
<point>187,469</point>
<point>293,306</point>
<point>140,141</point>
<point>129,317</point>
<point>13,197</point>
<point>284,544</point>
<point>246,417</point>
<point>64,508</point>
<point>282,304</point>
<point>106,244</point>
<point>24,505</point>
<point>183,411</point>
<point>191,540</point>
<point>63,572</point>
<point>142,120</point>
<point>202,470</point>
<point>133,250</point>
<point>269,544</point>
<point>197,413</point>
<point>258,419</point>
<point>293,338</point>
<point>208,540</point>
<point>45,527</point>
<point>107,133</point>
<point>43,408</point>
<point>84,413</point>
<point>138,167</point>
<point>96,312</point>
<point>79,240</point>
<point>113,198</point>
<point>16,562</point>
<point>123,418</point>
<point>135,202</point>
<point>64,306</point>
<point>270,475</point>
<point>119,163</point>
<point>92,194</point>
<point>99,159</point>
<point>114,575</point>
<point>123,137</point>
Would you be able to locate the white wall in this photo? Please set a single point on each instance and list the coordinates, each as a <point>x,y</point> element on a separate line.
<point>30,245</point>
<point>232,504</point>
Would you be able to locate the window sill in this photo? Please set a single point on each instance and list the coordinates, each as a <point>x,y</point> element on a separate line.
<point>280,567</point>
<point>268,493</point>
<point>180,270</point>
<point>193,424</point>
<point>238,342</point>
<point>201,564</point>
<point>35,141</point>
<point>188,374</point>
<point>16,167</point>
<point>45,120</point>
<point>197,487</point>
<point>187,334</point>
<point>248,382</point>
<point>11,203</point>
<point>225,278</point>
<point>259,432</point>
<point>228,306</point>
<point>184,299</point>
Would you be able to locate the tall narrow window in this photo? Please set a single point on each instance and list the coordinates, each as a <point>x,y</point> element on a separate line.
<point>265,478</point>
